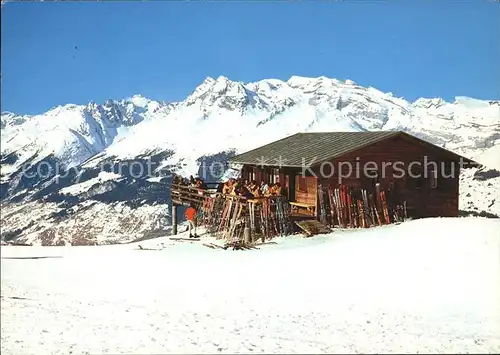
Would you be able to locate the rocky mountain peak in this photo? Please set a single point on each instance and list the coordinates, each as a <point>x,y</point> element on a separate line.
<point>427,103</point>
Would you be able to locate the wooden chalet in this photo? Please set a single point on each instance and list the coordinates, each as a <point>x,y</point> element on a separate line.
<point>286,161</point>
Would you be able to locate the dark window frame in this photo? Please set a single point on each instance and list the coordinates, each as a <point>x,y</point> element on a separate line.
<point>274,175</point>
<point>433,179</point>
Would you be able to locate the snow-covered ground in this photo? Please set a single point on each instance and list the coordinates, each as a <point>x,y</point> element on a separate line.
<point>429,285</point>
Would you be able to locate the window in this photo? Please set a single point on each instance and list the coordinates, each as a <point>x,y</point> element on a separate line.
<point>369,178</point>
<point>372,178</point>
<point>414,182</point>
<point>433,177</point>
<point>301,184</point>
<point>447,176</point>
<point>418,182</point>
<point>275,176</point>
<point>251,174</point>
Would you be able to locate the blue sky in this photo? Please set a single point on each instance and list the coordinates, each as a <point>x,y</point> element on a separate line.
<point>75,52</point>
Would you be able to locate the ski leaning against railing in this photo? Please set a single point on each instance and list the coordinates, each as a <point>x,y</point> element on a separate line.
<point>226,216</point>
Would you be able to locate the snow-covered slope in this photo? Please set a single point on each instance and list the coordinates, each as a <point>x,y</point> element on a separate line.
<point>426,286</point>
<point>50,157</point>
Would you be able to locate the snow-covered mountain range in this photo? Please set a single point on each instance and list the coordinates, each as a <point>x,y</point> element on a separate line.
<point>99,173</point>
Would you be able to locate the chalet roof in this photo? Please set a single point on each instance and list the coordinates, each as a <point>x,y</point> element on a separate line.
<point>320,146</point>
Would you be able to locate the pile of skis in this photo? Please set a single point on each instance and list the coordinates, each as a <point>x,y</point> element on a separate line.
<point>227,217</point>
<point>270,217</point>
<point>222,215</point>
<point>349,207</point>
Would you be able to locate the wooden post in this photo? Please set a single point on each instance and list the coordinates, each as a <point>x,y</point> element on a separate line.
<point>246,235</point>
<point>174,219</point>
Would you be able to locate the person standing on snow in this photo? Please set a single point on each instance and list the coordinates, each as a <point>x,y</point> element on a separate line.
<point>190,215</point>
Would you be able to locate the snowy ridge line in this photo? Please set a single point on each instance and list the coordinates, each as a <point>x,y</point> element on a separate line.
<point>220,101</point>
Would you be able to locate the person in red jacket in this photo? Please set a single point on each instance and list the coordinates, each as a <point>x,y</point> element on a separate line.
<point>190,215</point>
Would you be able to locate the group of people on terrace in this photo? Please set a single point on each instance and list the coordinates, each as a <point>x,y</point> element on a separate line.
<point>250,189</point>
<point>238,187</point>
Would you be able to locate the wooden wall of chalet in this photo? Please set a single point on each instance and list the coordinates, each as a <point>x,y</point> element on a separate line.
<point>422,200</point>
<point>306,190</point>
